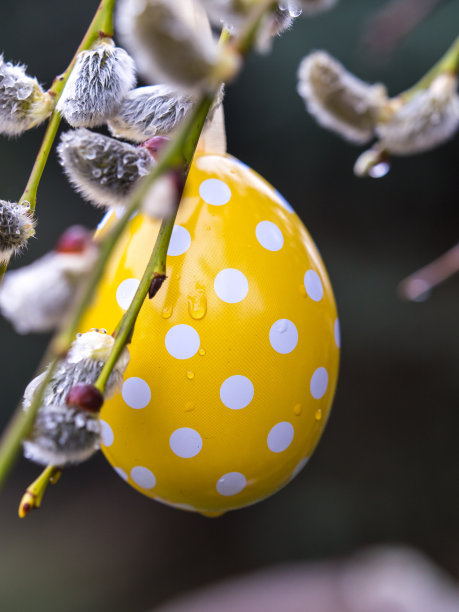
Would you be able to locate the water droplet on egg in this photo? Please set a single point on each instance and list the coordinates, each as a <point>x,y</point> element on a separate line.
<point>202,351</point>
<point>318,415</point>
<point>189,407</point>
<point>282,326</point>
<point>166,312</point>
<point>297,409</point>
<point>197,305</point>
<point>190,375</point>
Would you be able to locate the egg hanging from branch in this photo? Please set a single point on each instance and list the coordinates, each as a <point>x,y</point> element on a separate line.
<point>234,362</point>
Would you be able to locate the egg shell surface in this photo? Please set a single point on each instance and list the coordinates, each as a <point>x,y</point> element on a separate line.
<point>234,362</point>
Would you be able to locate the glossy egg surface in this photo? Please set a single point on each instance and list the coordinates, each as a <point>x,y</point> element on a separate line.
<point>234,363</point>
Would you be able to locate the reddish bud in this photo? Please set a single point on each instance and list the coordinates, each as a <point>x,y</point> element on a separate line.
<point>75,239</point>
<point>155,145</point>
<point>84,396</point>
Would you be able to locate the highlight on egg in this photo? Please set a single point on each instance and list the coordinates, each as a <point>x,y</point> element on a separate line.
<point>234,363</point>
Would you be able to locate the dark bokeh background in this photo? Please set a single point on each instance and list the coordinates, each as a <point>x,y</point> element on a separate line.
<point>386,469</point>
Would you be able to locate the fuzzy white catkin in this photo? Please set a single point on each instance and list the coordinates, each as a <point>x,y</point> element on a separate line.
<point>161,199</point>
<point>17,225</point>
<point>230,13</point>
<point>165,46</point>
<point>425,121</point>
<point>23,103</point>
<point>102,169</point>
<point>337,99</point>
<point>34,298</point>
<point>102,76</point>
<point>63,434</point>
<point>145,112</point>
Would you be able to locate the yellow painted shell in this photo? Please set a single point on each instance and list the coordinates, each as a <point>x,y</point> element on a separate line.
<point>234,362</point>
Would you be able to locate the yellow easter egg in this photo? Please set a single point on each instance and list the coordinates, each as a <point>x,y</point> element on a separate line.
<point>234,362</point>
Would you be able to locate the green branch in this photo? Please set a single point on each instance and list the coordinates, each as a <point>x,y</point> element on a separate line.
<point>102,22</point>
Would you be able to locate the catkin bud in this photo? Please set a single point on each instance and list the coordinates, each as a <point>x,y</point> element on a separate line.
<point>102,169</point>
<point>425,121</point>
<point>65,433</point>
<point>99,81</point>
<point>17,225</point>
<point>337,99</point>
<point>164,44</point>
<point>23,103</point>
<point>35,298</point>
<point>164,195</point>
<point>150,111</point>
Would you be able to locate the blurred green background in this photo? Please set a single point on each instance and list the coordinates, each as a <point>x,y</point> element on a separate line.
<point>386,469</point>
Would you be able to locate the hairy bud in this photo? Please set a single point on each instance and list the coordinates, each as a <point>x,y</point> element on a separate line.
<point>425,121</point>
<point>23,103</point>
<point>35,298</point>
<point>164,195</point>
<point>150,111</point>
<point>99,81</point>
<point>65,433</point>
<point>17,225</point>
<point>337,99</point>
<point>102,169</point>
<point>164,44</point>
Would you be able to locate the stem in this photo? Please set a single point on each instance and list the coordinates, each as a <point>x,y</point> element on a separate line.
<point>447,64</point>
<point>102,21</point>
<point>30,192</point>
<point>31,500</point>
<point>156,268</point>
<point>419,284</point>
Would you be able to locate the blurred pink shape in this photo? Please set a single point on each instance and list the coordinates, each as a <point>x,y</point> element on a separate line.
<point>379,580</point>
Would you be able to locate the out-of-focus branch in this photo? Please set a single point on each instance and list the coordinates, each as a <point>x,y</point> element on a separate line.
<point>390,24</point>
<point>416,286</point>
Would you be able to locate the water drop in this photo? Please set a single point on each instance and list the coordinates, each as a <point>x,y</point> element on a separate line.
<point>167,312</point>
<point>202,351</point>
<point>282,326</point>
<point>189,407</point>
<point>318,415</point>
<point>190,375</point>
<point>297,409</point>
<point>379,170</point>
<point>197,304</point>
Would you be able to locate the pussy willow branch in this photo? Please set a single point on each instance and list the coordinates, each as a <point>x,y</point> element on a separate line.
<point>177,155</point>
<point>101,23</point>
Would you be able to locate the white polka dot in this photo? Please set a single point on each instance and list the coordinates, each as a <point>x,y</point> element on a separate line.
<point>136,392</point>
<point>215,192</point>
<point>313,285</point>
<point>231,483</point>
<point>126,291</point>
<point>269,236</point>
<point>283,202</point>
<point>280,437</point>
<point>319,383</point>
<point>299,467</point>
<point>182,341</point>
<point>231,285</point>
<point>121,473</point>
<point>337,331</point>
<point>106,433</point>
<point>180,241</point>
<point>283,336</point>
<point>236,392</point>
<point>185,442</point>
<point>143,477</point>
